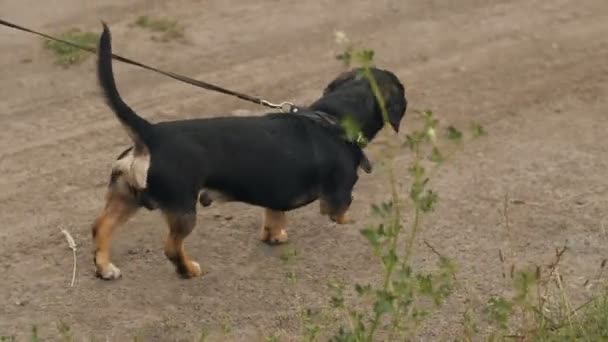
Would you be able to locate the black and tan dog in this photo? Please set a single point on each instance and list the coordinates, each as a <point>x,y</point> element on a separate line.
<point>277,161</point>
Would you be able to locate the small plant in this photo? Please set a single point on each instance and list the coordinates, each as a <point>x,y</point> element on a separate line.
<point>203,337</point>
<point>272,338</point>
<point>289,257</point>
<point>477,129</point>
<point>311,327</point>
<point>404,297</point>
<point>65,331</point>
<point>35,337</point>
<point>67,55</point>
<point>540,310</point>
<point>168,28</point>
<point>453,133</point>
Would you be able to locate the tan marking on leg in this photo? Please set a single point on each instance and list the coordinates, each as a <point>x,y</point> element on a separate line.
<point>180,226</point>
<point>273,229</point>
<point>341,218</point>
<point>118,210</point>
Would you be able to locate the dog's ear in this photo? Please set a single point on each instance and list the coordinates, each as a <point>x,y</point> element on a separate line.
<point>340,80</point>
<point>395,102</point>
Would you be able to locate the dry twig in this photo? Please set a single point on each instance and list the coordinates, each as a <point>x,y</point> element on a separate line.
<point>72,245</point>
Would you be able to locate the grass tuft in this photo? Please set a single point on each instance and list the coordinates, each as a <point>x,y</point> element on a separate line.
<point>168,28</point>
<point>67,55</point>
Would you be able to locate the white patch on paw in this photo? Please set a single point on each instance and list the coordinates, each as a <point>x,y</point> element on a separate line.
<point>112,272</point>
<point>281,237</point>
<point>197,268</point>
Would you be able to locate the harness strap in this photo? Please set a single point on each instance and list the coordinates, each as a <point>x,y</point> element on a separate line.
<point>327,120</point>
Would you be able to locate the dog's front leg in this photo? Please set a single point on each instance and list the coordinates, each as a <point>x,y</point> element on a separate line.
<point>180,226</point>
<point>342,218</point>
<point>273,227</point>
<point>336,208</point>
<point>118,209</point>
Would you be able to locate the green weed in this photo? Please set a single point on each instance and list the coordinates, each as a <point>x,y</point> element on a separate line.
<point>169,29</point>
<point>67,55</point>
<point>405,296</point>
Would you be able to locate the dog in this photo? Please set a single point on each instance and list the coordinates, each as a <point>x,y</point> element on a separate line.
<point>276,161</point>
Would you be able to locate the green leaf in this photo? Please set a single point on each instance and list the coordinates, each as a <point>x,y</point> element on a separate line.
<point>351,127</point>
<point>436,156</point>
<point>376,211</point>
<point>425,284</point>
<point>405,271</point>
<point>381,231</point>
<point>383,305</point>
<point>410,142</point>
<point>384,209</point>
<point>453,133</point>
<point>387,207</point>
<point>337,301</point>
<point>522,282</point>
<point>417,190</point>
<point>390,258</point>
<point>499,310</point>
<point>427,201</point>
<point>447,266</point>
<point>35,337</point>
<point>365,56</point>
<point>419,315</point>
<point>360,74</point>
<point>371,235</point>
<point>362,289</point>
<point>346,57</point>
<point>477,130</point>
<point>417,171</point>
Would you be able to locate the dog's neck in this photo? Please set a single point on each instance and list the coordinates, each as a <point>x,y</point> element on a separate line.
<point>363,109</point>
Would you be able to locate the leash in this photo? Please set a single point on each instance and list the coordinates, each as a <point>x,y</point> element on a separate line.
<point>283,106</point>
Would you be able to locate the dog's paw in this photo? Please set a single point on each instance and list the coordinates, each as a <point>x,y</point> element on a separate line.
<point>277,239</point>
<point>111,272</point>
<point>193,270</point>
<point>343,220</point>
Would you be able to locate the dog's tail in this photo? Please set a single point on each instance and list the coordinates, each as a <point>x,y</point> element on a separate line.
<point>138,128</point>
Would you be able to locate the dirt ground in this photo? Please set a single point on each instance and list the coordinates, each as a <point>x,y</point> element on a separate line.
<point>533,73</point>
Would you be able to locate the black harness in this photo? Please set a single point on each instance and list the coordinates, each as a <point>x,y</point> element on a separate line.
<point>326,120</point>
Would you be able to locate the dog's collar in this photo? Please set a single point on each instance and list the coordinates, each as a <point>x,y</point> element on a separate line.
<point>324,119</point>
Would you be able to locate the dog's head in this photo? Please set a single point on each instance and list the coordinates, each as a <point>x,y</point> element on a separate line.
<point>391,90</point>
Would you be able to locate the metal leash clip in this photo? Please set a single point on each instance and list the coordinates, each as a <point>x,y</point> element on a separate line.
<point>285,107</point>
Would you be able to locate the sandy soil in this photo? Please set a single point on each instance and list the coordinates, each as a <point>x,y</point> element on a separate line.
<point>533,72</point>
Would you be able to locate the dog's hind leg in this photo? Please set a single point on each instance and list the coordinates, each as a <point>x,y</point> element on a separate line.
<point>273,228</point>
<point>118,209</point>
<point>180,226</point>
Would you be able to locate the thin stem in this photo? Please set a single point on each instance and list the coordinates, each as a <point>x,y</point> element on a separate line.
<point>73,268</point>
<point>395,226</point>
